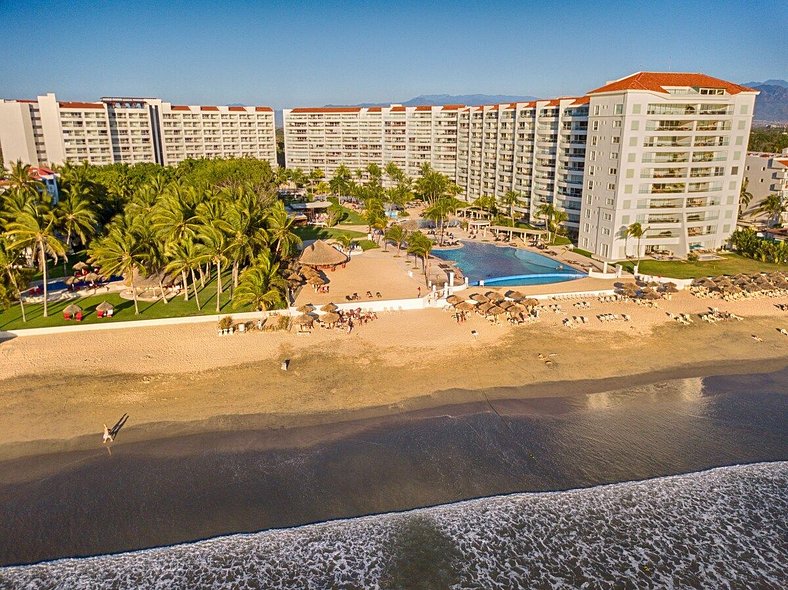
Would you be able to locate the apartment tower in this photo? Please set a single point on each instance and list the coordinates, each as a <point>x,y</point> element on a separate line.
<point>130,130</point>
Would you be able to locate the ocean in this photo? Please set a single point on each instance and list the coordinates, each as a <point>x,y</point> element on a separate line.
<point>722,528</point>
<point>676,484</point>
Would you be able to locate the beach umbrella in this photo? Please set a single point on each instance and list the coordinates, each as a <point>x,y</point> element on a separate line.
<point>319,253</point>
<point>670,288</point>
<point>71,280</point>
<point>304,320</point>
<point>330,307</point>
<point>484,307</point>
<point>92,277</point>
<point>72,309</point>
<point>651,296</point>
<point>308,307</point>
<point>530,302</point>
<point>105,306</point>
<point>479,298</point>
<point>454,299</point>
<point>294,276</point>
<point>496,310</point>
<point>515,295</point>
<point>494,296</point>
<point>505,305</point>
<point>465,306</point>
<point>330,318</point>
<point>515,308</point>
<point>79,265</point>
<point>316,281</point>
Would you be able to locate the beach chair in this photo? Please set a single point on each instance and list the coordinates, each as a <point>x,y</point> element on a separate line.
<point>66,315</point>
<point>78,317</point>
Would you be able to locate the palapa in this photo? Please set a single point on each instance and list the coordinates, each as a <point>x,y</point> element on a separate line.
<point>330,318</point>
<point>479,298</point>
<point>306,308</point>
<point>465,306</point>
<point>72,309</point>
<point>105,306</point>
<point>329,307</point>
<point>320,254</point>
<point>515,295</point>
<point>495,310</point>
<point>530,302</point>
<point>454,299</point>
<point>316,280</point>
<point>494,296</point>
<point>92,277</point>
<point>304,320</point>
<point>484,307</point>
<point>79,266</point>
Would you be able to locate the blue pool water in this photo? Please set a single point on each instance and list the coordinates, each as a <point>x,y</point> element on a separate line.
<point>503,266</point>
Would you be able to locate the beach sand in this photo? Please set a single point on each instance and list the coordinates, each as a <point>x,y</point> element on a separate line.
<point>56,389</point>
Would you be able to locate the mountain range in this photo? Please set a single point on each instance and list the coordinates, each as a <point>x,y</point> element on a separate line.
<point>441,99</point>
<point>771,105</point>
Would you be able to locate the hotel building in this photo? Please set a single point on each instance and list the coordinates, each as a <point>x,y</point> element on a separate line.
<point>767,174</point>
<point>130,130</point>
<point>665,150</point>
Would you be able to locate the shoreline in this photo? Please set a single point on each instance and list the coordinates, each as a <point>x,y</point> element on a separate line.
<point>450,402</point>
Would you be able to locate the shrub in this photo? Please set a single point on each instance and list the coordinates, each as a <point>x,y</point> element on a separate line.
<point>226,322</point>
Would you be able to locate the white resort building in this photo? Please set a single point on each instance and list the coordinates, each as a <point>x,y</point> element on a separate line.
<point>767,174</point>
<point>665,150</point>
<point>130,130</point>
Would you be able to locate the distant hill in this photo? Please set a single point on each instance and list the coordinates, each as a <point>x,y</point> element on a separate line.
<point>441,99</point>
<point>771,105</point>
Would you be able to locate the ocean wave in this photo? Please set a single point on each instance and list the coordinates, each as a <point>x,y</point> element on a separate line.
<point>723,528</point>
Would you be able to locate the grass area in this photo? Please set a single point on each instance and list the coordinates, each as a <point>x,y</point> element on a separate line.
<point>351,217</point>
<point>560,241</point>
<point>311,232</point>
<point>55,271</point>
<point>730,264</point>
<point>11,318</point>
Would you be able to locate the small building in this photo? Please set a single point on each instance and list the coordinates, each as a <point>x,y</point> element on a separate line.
<point>766,174</point>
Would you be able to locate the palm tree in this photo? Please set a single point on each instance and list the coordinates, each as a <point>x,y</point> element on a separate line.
<point>745,197</point>
<point>215,243</point>
<point>440,210</point>
<point>34,228</point>
<point>546,210</point>
<point>280,231</point>
<point>175,216</point>
<point>19,179</point>
<point>395,173</point>
<point>340,182</point>
<point>261,285</point>
<point>13,276</point>
<point>420,245</point>
<point>397,234</point>
<point>119,253</point>
<point>184,258</point>
<point>510,199</point>
<point>559,216</point>
<point>637,231</point>
<point>76,217</point>
<point>773,206</point>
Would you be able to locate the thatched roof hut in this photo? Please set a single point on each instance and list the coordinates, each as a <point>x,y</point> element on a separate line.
<point>105,306</point>
<point>321,255</point>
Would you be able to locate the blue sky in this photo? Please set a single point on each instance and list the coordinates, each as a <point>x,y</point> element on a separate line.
<point>314,53</point>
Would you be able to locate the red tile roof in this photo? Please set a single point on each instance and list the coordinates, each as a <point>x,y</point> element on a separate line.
<point>264,109</point>
<point>783,161</point>
<point>375,110</point>
<point>81,105</point>
<point>657,81</point>
<point>399,109</point>
<point>237,109</point>
<point>424,108</point>
<point>180,107</point>
<point>582,100</point>
<point>453,107</point>
<point>209,108</point>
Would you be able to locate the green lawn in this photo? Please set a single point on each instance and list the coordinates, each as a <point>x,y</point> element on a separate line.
<point>582,252</point>
<point>11,318</point>
<point>731,264</point>
<point>311,232</point>
<point>352,218</point>
<point>560,241</point>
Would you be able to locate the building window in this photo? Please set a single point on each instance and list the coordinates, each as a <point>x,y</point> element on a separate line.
<point>611,186</point>
<point>616,139</point>
<point>617,123</point>
<point>605,231</point>
<point>612,171</point>
<point>618,109</point>
<point>595,126</point>
<point>735,170</point>
<point>596,109</point>
<point>607,216</point>
<point>594,140</point>
<point>590,184</point>
<point>614,155</point>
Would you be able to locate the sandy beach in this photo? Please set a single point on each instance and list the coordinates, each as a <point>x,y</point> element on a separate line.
<point>165,376</point>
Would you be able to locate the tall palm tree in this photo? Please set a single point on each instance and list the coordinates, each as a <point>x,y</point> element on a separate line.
<point>773,206</point>
<point>174,217</point>
<point>421,246</point>
<point>184,258</point>
<point>510,199</point>
<point>214,241</point>
<point>34,227</point>
<point>395,173</point>
<point>546,210</point>
<point>20,179</point>
<point>120,253</point>
<point>397,234</point>
<point>440,210</point>
<point>637,231</point>
<point>340,182</point>
<point>559,217</point>
<point>75,217</point>
<point>246,231</point>
<point>280,231</point>
<point>745,197</point>
<point>261,286</point>
<point>13,274</point>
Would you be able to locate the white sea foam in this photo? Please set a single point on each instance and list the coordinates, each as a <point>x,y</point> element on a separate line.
<point>723,528</point>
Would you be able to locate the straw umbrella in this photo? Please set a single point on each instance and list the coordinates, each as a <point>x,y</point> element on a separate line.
<point>304,320</point>
<point>496,310</point>
<point>479,298</point>
<point>315,281</point>
<point>72,309</point>
<point>330,307</point>
<point>320,254</point>
<point>454,299</point>
<point>92,277</point>
<point>515,295</point>
<point>71,280</point>
<point>530,302</point>
<point>306,308</point>
<point>105,306</point>
<point>330,318</point>
<point>494,296</point>
<point>515,309</point>
<point>465,306</point>
<point>79,266</point>
<point>505,305</point>
<point>484,307</point>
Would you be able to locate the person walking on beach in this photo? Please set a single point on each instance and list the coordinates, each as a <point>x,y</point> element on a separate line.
<point>419,292</point>
<point>111,433</point>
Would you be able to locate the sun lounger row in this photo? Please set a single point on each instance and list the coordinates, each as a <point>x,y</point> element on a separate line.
<point>613,317</point>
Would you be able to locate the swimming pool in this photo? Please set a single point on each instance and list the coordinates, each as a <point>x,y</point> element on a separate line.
<point>504,266</point>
